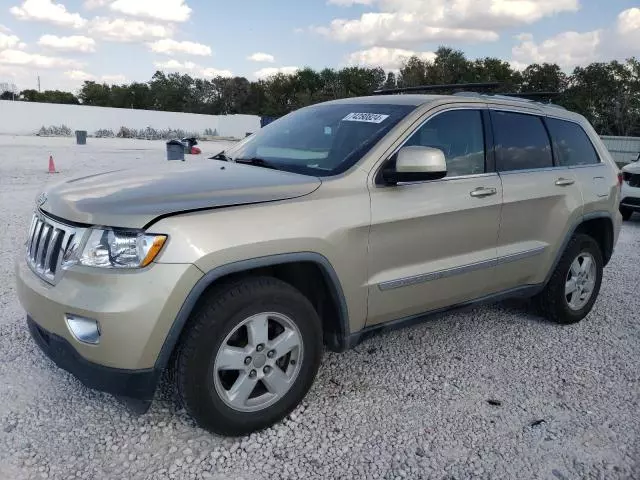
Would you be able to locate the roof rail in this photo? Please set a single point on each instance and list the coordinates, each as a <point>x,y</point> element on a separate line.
<point>518,97</point>
<point>431,88</point>
<point>468,91</point>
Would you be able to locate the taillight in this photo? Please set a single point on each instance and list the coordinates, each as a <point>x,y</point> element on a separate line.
<point>620,177</point>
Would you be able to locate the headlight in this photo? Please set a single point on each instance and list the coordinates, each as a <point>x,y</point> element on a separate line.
<point>112,249</point>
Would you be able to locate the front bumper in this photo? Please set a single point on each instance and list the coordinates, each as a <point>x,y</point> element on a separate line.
<point>630,197</point>
<point>134,384</point>
<point>135,310</point>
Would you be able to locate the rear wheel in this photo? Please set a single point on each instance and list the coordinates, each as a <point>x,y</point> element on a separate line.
<point>249,357</point>
<point>575,283</point>
<point>626,213</point>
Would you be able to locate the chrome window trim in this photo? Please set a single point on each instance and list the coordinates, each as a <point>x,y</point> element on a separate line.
<point>449,272</point>
<point>447,179</point>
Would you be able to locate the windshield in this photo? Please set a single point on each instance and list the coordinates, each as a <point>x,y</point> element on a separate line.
<point>321,140</point>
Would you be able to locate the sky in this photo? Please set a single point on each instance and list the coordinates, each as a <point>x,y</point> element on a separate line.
<point>65,42</point>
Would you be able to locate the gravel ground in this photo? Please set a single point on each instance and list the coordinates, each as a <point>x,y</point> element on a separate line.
<point>490,393</point>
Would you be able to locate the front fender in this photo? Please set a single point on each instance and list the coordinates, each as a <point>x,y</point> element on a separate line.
<point>221,271</point>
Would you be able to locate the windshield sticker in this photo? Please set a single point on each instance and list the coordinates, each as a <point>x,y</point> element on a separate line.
<point>365,117</point>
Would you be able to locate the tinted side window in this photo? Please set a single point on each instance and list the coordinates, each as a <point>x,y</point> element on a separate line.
<point>572,144</point>
<point>460,135</point>
<point>521,141</point>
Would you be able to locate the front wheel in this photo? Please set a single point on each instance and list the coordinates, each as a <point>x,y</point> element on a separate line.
<point>249,357</point>
<point>575,283</point>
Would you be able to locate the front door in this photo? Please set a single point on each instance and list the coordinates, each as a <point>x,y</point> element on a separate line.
<point>433,244</point>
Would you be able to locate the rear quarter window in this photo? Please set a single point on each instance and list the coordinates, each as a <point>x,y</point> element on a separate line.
<point>571,143</point>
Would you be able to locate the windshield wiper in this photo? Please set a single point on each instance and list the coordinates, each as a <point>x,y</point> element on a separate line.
<point>258,162</point>
<point>221,156</point>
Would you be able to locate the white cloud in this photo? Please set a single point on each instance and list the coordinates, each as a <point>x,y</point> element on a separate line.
<point>20,58</point>
<point>567,49</point>
<point>167,10</point>
<point>412,22</point>
<point>520,66</point>
<point>82,76</point>
<point>91,4</point>
<point>79,75</point>
<point>214,72</point>
<point>387,58</point>
<point>74,43</point>
<point>349,3</point>
<point>169,46</point>
<point>270,71</point>
<point>122,30</point>
<point>8,41</point>
<point>261,57</point>
<point>628,27</point>
<point>114,79</point>
<point>48,11</point>
<point>193,68</point>
<point>176,65</point>
<point>399,29</point>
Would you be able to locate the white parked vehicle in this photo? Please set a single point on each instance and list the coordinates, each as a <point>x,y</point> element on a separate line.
<point>630,198</point>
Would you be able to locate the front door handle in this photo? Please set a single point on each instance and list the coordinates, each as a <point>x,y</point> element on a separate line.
<point>483,192</point>
<point>564,182</point>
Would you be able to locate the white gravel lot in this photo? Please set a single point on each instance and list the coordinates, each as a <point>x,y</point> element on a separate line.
<point>494,392</point>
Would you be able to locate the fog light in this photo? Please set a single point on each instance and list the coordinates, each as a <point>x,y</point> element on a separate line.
<point>86,330</point>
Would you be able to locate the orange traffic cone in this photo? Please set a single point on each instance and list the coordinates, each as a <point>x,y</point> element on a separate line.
<point>52,166</point>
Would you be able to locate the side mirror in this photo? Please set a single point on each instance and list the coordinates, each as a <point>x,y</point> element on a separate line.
<point>417,164</point>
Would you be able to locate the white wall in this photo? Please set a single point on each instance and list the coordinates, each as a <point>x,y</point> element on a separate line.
<point>26,118</point>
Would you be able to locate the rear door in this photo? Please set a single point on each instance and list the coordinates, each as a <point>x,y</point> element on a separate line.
<point>541,199</point>
<point>574,149</point>
<point>433,244</point>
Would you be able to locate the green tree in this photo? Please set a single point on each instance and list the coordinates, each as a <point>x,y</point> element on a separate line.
<point>95,94</point>
<point>29,95</point>
<point>608,94</point>
<point>543,78</point>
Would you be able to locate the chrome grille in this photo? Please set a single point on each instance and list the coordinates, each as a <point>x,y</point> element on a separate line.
<point>46,245</point>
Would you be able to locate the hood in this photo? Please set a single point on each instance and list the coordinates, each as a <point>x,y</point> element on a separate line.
<point>633,167</point>
<point>133,198</point>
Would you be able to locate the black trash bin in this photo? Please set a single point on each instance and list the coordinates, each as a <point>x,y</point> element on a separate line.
<point>175,150</point>
<point>81,137</point>
<point>189,143</point>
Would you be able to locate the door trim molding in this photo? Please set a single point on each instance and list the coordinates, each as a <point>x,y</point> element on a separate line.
<point>514,257</point>
<point>449,272</point>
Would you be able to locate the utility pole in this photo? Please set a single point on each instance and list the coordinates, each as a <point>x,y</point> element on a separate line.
<point>39,91</point>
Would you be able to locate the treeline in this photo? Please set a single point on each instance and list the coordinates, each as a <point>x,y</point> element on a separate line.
<point>608,94</point>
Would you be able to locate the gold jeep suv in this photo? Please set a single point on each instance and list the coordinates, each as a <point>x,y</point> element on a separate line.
<point>333,222</point>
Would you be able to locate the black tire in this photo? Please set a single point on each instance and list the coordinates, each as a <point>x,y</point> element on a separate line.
<point>214,320</point>
<point>626,213</point>
<point>553,301</point>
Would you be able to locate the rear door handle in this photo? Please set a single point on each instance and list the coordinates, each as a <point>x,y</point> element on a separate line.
<point>483,192</point>
<point>564,182</point>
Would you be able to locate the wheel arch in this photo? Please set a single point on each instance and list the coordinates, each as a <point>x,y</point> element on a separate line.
<point>338,331</point>
<point>600,226</point>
